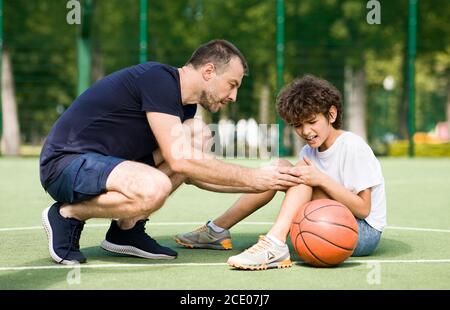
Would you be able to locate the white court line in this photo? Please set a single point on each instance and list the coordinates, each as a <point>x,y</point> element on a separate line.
<point>109,266</point>
<point>93,266</point>
<point>200,223</point>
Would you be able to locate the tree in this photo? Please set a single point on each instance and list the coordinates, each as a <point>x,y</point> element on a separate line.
<point>10,141</point>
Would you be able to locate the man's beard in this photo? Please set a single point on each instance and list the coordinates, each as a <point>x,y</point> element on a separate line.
<point>207,101</point>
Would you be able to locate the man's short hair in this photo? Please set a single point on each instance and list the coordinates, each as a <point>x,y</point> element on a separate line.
<point>217,52</point>
<point>307,96</point>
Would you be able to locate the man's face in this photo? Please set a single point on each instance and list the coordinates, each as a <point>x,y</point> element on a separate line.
<point>222,87</point>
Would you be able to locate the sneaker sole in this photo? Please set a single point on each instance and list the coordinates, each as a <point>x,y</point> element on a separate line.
<point>131,250</point>
<point>49,231</point>
<point>224,245</point>
<point>279,265</point>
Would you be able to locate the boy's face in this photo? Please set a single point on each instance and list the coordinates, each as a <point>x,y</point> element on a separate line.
<point>318,131</point>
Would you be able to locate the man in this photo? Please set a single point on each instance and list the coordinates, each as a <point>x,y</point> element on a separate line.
<point>116,152</point>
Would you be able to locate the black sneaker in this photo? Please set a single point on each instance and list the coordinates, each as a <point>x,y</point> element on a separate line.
<point>63,236</point>
<point>135,242</point>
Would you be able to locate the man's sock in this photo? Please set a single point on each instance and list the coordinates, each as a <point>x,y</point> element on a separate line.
<point>214,227</point>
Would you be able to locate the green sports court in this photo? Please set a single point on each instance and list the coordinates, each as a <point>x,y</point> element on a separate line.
<point>389,59</point>
<point>413,252</point>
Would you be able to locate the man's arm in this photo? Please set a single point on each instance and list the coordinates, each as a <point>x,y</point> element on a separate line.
<point>182,158</point>
<point>221,188</point>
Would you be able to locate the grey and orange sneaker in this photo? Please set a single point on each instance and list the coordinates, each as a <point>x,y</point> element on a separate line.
<point>263,255</point>
<point>205,237</point>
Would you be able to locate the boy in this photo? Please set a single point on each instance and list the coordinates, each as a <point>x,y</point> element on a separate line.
<point>334,164</point>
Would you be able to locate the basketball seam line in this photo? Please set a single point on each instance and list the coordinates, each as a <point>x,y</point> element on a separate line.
<point>306,245</point>
<point>332,223</point>
<point>347,249</point>
<point>305,216</point>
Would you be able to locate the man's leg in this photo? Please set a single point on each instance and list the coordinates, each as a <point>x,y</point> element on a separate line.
<point>135,190</point>
<point>132,190</point>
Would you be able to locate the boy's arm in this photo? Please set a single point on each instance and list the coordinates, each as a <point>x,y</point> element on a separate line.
<point>359,204</point>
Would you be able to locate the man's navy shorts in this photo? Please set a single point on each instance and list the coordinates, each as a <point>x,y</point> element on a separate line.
<point>84,178</point>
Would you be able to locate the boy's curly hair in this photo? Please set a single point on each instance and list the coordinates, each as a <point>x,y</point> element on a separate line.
<point>304,97</point>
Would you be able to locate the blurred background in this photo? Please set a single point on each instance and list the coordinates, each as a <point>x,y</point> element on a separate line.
<point>394,75</point>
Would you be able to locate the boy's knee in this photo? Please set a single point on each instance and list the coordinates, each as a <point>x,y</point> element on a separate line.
<point>280,162</point>
<point>300,163</point>
<point>318,193</point>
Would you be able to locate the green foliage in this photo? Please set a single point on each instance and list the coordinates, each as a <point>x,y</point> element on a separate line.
<point>322,37</point>
<point>400,148</point>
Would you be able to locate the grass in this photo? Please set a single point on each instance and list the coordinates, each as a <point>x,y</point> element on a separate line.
<point>407,258</point>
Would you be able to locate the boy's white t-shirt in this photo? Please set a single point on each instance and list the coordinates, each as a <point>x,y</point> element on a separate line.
<point>350,161</point>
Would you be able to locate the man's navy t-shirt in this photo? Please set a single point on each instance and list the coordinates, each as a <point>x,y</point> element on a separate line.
<point>110,118</point>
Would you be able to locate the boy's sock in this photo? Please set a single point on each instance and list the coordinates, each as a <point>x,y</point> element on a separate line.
<point>275,240</point>
<point>214,227</point>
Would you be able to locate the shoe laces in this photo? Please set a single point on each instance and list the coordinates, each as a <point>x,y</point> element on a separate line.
<point>262,245</point>
<point>201,229</point>
<point>74,240</point>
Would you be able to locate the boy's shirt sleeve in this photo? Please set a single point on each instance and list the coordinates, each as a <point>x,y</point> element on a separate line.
<point>361,169</point>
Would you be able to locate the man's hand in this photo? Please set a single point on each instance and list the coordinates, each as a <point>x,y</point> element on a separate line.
<point>279,175</point>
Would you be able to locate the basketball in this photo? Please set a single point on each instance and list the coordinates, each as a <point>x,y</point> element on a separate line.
<point>324,233</point>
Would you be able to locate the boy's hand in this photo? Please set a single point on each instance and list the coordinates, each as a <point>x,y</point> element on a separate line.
<point>309,174</point>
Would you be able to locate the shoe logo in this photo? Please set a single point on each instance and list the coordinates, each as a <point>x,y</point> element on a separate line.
<point>270,256</point>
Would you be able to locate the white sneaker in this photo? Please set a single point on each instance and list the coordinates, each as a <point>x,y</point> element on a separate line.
<point>263,255</point>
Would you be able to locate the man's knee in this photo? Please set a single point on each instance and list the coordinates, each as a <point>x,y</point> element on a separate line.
<point>154,191</point>
<point>145,186</point>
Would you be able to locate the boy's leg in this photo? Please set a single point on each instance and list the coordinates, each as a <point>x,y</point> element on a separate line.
<point>295,198</point>
<point>247,204</point>
<point>243,207</point>
<point>368,239</point>
<point>207,237</point>
<point>271,250</point>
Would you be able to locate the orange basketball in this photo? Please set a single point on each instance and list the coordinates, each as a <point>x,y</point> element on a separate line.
<point>324,233</point>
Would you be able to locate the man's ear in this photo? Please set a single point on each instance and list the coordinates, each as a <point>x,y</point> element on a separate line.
<point>208,70</point>
<point>332,113</point>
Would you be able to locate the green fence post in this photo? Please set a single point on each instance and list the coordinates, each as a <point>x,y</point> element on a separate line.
<point>280,68</point>
<point>143,31</point>
<point>412,33</point>
<point>1,69</point>
<point>84,48</point>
